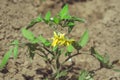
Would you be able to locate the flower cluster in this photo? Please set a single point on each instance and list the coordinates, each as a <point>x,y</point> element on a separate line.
<point>60,39</point>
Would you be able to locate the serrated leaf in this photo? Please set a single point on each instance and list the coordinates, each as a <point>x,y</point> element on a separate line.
<point>47,16</point>
<point>5,58</point>
<point>84,39</point>
<point>64,12</point>
<point>28,35</point>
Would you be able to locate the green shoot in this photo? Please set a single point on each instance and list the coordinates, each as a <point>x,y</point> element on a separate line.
<point>84,39</point>
<point>5,58</point>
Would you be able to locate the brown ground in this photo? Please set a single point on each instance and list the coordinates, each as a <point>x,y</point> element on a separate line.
<point>103,22</point>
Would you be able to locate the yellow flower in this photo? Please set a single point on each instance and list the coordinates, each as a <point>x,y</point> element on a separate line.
<point>68,42</point>
<point>59,39</point>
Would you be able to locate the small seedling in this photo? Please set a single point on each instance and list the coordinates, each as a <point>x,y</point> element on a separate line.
<point>51,49</point>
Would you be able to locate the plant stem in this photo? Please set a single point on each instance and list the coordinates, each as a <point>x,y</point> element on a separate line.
<point>69,57</point>
<point>48,50</point>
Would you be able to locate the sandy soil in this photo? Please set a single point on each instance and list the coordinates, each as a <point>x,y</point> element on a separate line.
<point>102,20</point>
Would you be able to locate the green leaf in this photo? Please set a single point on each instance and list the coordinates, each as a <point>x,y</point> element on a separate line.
<point>55,48</point>
<point>117,70</point>
<point>34,21</point>
<point>36,40</point>
<point>97,55</point>
<point>38,19</point>
<point>15,49</point>
<point>47,16</point>
<point>67,17</point>
<point>56,20</point>
<point>60,74</point>
<point>78,19</point>
<point>44,41</point>
<point>84,39</point>
<point>70,48</point>
<point>46,79</point>
<point>83,75</point>
<point>106,58</point>
<point>64,12</point>
<point>47,43</point>
<point>28,35</point>
<point>15,42</point>
<point>103,59</point>
<point>5,58</point>
<point>70,26</point>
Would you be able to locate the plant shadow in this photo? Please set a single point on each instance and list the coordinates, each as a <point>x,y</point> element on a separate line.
<point>73,71</point>
<point>4,71</point>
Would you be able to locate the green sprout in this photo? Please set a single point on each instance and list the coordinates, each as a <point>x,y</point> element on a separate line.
<point>13,51</point>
